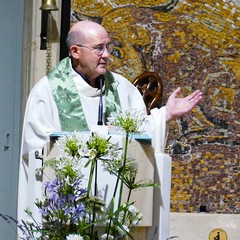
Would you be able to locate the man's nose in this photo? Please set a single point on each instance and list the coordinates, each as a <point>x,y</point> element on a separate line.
<point>106,53</point>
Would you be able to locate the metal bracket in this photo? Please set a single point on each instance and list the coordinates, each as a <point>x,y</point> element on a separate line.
<point>6,146</point>
<point>38,156</point>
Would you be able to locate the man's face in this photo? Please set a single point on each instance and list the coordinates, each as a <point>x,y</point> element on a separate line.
<point>93,54</point>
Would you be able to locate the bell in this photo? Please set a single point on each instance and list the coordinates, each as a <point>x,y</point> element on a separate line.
<point>49,5</point>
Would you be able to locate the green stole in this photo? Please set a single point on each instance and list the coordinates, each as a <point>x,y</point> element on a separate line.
<point>67,99</point>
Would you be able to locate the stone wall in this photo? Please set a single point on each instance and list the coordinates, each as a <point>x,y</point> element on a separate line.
<point>194,45</point>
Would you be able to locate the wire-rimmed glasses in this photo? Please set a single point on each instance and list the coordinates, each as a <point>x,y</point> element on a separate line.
<point>100,48</point>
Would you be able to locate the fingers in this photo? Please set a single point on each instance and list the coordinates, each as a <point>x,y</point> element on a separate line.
<point>176,92</point>
<point>196,95</point>
<point>193,95</point>
<point>195,99</point>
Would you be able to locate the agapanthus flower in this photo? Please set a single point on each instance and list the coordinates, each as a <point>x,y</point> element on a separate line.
<point>74,237</point>
<point>133,215</point>
<point>98,145</point>
<point>106,236</point>
<point>123,229</point>
<point>63,199</point>
<point>130,121</point>
<point>71,145</point>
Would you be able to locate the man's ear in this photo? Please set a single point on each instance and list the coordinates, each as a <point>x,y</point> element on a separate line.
<point>74,51</point>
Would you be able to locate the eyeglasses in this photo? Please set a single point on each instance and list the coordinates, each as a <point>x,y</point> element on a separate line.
<point>100,48</point>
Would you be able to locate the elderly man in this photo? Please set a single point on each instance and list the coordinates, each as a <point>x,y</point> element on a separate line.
<point>67,99</point>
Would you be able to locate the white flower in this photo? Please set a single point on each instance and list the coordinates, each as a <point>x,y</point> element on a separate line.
<point>104,237</point>
<point>74,237</point>
<point>29,221</point>
<point>126,229</point>
<point>133,209</point>
<point>130,121</point>
<point>137,219</point>
<point>139,216</point>
<point>93,154</point>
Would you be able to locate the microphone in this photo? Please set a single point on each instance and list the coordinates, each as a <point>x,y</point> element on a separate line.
<point>100,107</point>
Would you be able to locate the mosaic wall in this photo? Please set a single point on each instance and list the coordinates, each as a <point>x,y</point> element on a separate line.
<point>193,44</point>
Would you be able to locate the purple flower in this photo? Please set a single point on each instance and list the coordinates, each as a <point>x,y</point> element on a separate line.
<point>63,200</point>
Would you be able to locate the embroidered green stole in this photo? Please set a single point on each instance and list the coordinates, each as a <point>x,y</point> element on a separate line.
<point>67,99</point>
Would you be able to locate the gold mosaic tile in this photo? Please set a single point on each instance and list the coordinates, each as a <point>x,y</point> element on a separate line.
<point>191,44</point>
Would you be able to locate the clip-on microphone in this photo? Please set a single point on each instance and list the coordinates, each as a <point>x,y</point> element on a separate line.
<point>100,128</point>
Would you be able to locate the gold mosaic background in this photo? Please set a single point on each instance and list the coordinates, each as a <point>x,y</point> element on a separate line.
<point>193,44</point>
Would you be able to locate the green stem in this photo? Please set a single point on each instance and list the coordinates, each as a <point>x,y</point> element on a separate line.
<point>91,177</point>
<point>109,227</point>
<point>116,186</point>
<point>120,176</point>
<point>130,191</point>
<point>123,170</point>
<point>89,189</point>
<point>114,195</point>
<point>95,194</point>
<point>128,199</point>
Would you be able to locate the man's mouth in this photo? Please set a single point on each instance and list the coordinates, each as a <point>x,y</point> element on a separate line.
<point>103,64</point>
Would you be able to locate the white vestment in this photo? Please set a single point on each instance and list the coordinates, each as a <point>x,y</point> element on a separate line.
<point>41,119</point>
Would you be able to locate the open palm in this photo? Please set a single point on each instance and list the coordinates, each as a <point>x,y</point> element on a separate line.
<point>177,107</point>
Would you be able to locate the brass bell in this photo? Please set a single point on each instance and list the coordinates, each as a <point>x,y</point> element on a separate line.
<point>49,5</point>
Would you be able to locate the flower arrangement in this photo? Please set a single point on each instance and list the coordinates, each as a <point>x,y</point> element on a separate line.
<point>73,210</point>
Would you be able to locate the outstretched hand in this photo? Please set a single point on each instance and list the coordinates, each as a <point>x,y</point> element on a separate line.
<point>177,107</point>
